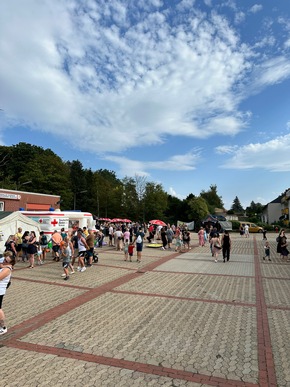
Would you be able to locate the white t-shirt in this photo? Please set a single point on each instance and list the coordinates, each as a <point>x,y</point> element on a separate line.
<point>4,283</point>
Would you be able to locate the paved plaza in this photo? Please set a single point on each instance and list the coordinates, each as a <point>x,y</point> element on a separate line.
<point>175,319</point>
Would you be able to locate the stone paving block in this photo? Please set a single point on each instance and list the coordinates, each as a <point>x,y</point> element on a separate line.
<point>24,299</point>
<point>36,370</point>
<point>148,329</point>
<point>279,322</point>
<point>207,266</point>
<point>277,292</point>
<point>94,276</point>
<point>194,286</point>
<point>270,269</point>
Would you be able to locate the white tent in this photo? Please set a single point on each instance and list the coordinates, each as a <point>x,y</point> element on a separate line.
<point>9,223</point>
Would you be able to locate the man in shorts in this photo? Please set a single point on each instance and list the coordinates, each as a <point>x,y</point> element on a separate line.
<point>90,239</point>
<point>56,239</point>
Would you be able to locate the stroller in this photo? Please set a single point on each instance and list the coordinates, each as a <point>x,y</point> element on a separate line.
<point>95,257</point>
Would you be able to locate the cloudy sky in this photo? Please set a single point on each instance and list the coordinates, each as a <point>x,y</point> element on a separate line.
<point>186,92</point>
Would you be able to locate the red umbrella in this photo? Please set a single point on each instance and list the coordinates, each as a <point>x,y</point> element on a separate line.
<point>105,219</point>
<point>157,222</point>
<point>116,220</point>
<point>127,221</point>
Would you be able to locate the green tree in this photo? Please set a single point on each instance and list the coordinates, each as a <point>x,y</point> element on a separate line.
<point>198,208</point>
<point>212,199</point>
<point>254,209</point>
<point>236,206</point>
<point>155,201</point>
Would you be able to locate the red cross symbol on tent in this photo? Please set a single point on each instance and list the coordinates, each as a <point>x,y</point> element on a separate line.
<point>54,222</point>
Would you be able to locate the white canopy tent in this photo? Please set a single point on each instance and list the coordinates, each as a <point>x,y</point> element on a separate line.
<point>9,223</point>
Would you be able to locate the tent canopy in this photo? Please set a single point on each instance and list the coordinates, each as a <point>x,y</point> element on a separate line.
<point>11,221</point>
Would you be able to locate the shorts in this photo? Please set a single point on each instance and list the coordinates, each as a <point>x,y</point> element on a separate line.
<point>65,265</point>
<point>139,247</point>
<point>90,252</point>
<point>55,248</point>
<point>43,247</point>
<point>110,237</point>
<point>82,253</point>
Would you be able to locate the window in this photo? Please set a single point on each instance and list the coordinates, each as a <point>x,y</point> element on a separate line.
<point>1,206</point>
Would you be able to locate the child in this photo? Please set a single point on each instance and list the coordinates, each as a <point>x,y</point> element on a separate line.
<point>267,251</point>
<point>39,254</point>
<point>131,250</point>
<point>126,249</point>
<point>178,242</point>
<point>65,253</point>
<point>186,240</point>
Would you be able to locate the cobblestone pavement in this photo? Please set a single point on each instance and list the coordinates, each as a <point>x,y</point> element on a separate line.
<point>175,319</point>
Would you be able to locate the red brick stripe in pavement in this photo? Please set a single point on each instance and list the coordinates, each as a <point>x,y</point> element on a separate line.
<point>267,375</point>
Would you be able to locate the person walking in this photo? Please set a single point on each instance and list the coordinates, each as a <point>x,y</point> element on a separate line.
<point>201,240</point>
<point>215,246</point>
<point>82,248</point>
<point>169,235</point>
<point>139,243</point>
<point>267,251</point>
<point>226,245</point>
<point>5,275</point>
<point>284,244</point>
<point>163,238</point>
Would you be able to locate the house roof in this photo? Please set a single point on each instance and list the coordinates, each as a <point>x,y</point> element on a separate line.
<point>277,200</point>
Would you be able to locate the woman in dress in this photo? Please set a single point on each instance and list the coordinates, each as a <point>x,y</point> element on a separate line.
<point>200,234</point>
<point>215,246</point>
<point>25,238</point>
<point>31,249</point>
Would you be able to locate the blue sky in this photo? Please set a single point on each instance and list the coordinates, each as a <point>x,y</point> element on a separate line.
<point>188,93</point>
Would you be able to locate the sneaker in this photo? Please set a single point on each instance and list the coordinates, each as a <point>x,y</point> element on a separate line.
<point>63,275</point>
<point>72,272</point>
<point>264,258</point>
<point>3,330</point>
<point>41,262</point>
<point>215,260</point>
<point>78,268</point>
<point>83,269</point>
<point>66,278</point>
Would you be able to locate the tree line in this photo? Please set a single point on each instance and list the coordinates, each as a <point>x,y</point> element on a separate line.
<point>100,192</point>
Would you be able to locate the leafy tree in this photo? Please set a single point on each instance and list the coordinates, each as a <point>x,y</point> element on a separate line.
<point>130,199</point>
<point>254,209</point>
<point>212,199</point>
<point>198,208</point>
<point>236,206</point>
<point>155,201</point>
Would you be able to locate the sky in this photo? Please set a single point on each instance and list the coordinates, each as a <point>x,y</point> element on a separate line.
<point>189,93</point>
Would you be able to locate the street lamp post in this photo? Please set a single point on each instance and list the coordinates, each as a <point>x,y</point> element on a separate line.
<point>75,197</point>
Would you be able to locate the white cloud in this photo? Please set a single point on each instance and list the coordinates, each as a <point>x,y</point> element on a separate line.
<point>256,8</point>
<point>173,193</point>
<point>97,72</point>
<point>271,156</point>
<point>129,167</point>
